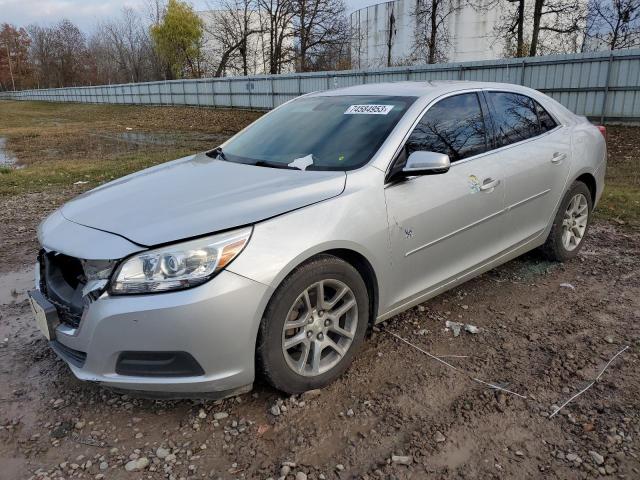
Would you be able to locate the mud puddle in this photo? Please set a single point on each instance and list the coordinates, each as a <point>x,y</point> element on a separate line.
<point>14,286</point>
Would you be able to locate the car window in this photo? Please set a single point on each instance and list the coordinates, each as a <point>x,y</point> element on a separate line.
<point>546,121</point>
<point>454,126</point>
<point>319,133</point>
<point>516,117</point>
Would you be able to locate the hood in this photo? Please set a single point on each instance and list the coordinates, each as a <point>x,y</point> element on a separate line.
<point>195,196</point>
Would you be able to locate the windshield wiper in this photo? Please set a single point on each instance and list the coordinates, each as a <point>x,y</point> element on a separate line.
<point>217,153</point>
<point>267,163</point>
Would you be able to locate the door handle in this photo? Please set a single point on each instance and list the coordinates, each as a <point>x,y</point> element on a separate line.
<point>489,184</point>
<point>558,157</point>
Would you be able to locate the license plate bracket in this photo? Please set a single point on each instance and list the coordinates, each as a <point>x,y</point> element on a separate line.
<point>45,313</point>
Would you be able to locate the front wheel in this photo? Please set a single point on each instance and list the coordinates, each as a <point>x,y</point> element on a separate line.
<point>313,325</point>
<point>570,225</point>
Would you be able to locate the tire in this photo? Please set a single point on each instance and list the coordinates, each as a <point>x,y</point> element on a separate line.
<point>556,247</point>
<point>289,370</point>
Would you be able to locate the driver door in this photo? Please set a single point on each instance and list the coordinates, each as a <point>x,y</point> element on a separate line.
<point>443,224</point>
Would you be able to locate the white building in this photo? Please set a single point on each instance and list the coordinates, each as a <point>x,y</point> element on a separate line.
<point>386,34</point>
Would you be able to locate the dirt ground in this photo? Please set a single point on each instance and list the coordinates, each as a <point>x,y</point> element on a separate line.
<point>546,331</point>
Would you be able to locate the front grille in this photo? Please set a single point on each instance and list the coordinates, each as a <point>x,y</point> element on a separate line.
<point>61,281</point>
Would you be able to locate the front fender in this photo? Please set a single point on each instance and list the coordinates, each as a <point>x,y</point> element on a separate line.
<point>355,220</point>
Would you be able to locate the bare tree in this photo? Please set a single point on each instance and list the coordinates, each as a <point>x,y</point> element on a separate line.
<point>534,27</point>
<point>319,26</point>
<point>613,24</point>
<point>431,38</point>
<point>59,55</point>
<point>122,48</point>
<point>564,18</point>
<point>232,31</point>
<point>277,17</point>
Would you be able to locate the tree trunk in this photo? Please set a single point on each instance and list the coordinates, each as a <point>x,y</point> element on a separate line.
<point>392,22</point>
<point>433,34</point>
<point>520,52</point>
<point>537,14</point>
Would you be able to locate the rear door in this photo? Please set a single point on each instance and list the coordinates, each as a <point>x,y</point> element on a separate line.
<point>535,154</point>
<point>441,225</point>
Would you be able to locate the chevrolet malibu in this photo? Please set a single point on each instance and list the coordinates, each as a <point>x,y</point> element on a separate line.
<point>273,253</point>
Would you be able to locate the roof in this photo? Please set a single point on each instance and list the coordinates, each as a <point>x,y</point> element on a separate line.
<point>418,89</point>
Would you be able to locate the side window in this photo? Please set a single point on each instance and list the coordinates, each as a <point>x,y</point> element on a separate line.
<point>546,121</point>
<point>516,117</point>
<point>454,126</point>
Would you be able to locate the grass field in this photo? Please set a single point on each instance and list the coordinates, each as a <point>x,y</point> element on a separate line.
<point>59,144</point>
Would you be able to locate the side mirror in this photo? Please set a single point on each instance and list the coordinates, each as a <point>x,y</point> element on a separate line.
<point>426,163</point>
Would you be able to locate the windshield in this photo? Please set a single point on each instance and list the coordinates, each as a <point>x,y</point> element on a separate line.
<point>319,133</point>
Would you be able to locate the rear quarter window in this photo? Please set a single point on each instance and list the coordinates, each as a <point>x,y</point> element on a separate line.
<point>516,117</point>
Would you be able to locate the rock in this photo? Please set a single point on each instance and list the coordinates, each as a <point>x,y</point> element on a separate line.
<point>162,452</point>
<point>58,403</point>
<point>350,413</point>
<point>471,328</point>
<point>202,414</point>
<point>79,425</point>
<point>284,471</point>
<point>170,458</point>
<point>103,466</point>
<point>572,457</point>
<point>402,460</point>
<point>301,476</point>
<point>275,411</point>
<point>439,437</point>
<point>597,458</point>
<point>339,467</point>
<point>137,465</point>
<point>220,415</point>
<point>519,453</point>
<point>608,339</point>
<point>454,327</point>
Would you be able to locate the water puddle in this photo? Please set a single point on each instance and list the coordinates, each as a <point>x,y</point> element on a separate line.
<point>6,159</point>
<point>14,286</point>
<point>141,140</point>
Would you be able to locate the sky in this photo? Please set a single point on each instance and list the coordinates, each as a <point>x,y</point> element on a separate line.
<point>87,13</point>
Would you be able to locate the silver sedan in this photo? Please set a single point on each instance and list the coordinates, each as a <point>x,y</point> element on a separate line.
<point>274,253</point>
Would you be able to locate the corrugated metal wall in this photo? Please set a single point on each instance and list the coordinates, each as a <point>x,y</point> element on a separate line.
<point>601,85</point>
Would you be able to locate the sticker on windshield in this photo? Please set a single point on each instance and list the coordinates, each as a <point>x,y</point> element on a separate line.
<point>368,109</point>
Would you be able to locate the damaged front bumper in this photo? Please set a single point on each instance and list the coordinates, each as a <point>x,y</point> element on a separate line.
<point>189,342</point>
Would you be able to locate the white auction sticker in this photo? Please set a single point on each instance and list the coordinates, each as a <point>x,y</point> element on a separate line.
<point>368,109</point>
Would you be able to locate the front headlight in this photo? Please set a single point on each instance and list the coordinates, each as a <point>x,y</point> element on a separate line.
<point>179,266</point>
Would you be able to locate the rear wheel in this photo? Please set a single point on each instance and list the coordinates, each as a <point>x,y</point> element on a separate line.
<point>313,325</point>
<point>570,225</point>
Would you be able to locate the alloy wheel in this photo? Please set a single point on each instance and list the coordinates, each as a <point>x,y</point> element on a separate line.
<point>320,327</point>
<point>575,222</point>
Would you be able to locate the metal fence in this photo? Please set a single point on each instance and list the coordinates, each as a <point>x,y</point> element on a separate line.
<point>602,85</point>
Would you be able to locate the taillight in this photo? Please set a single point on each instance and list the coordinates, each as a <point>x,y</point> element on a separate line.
<point>603,131</point>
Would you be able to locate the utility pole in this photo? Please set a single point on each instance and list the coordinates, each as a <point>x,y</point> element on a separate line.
<point>13,83</point>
